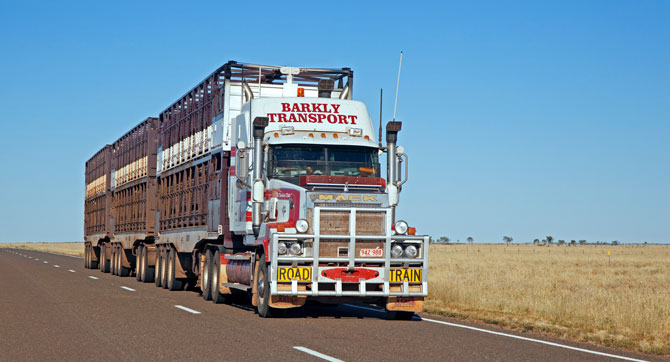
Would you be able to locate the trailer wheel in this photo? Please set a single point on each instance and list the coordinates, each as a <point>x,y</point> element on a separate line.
<point>217,297</point>
<point>172,282</point>
<point>263,286</point>
<point>122,271</point>
<point>104,262</point>
<point>86,256</point>
<point>159,269</point>
<point>147,271</point>
<point>205,285</point>
<point>138,263</point>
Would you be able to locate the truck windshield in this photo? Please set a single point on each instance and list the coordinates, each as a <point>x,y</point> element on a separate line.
<point>289,162</point>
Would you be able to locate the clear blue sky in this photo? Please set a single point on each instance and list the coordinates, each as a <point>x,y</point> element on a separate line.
<point>523,119</point>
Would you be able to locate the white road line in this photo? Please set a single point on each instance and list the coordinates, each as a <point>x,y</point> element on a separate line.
<point>187,309</point>
<point>128,289</point>
<point>317,354</point>
<point>56,266</point>
<point>46,262</point>
<point>71,271</point>
<point>534,340</point>
<point>513,336</point>
<point>92,277</point>
<point>36,259</point>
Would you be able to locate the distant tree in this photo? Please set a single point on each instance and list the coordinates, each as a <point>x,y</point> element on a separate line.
<point>443,240</point>
<point>573,242</point>
<point>536,241</point>
<point>550,239</point>
<point>507,239</point>
<point>582,242</point>
<point>615,242</point>
<point>470,239</point>
<point>561,242</point>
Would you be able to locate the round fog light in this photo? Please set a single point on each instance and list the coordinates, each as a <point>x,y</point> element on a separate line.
<point>281,248</point>
<point>295,249</point>
<point>396,251</point>
<point>411,251</point>
<point>401,227</point>
<point>301,225</point>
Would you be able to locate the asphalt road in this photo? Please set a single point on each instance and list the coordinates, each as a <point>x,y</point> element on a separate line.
<point>52,309</point>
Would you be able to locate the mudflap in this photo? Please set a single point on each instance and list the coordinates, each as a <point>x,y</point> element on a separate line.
<point>287,301</point>
<point>405,304</point>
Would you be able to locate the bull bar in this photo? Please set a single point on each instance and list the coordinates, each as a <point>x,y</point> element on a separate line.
<point>350,259</point>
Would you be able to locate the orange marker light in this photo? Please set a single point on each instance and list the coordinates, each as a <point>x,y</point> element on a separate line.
<point>323,135</point>
<point>301,92</point>
<point>276,134</point>
<point>411,231</point>
<point>367,137</point>
<point>311,135</point>
<point>334,135</point>
<point>281,228</point>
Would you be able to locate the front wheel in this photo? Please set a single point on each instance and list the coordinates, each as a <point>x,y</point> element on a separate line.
<point>263,289</point>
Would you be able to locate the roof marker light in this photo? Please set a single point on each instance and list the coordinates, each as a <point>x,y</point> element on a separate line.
<point>301,92</point>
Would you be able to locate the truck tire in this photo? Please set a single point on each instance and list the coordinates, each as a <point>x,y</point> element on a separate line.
<point>159,270</point>
<point>206,283</point>
<point>86,256</point>
<point>173,283</point>
<point>112,261</point>
<point>263,286</point>
<point>147,271</point>
<point>104,262</point>
<point>138,263</point>
<point>217,297</point>
<point>122,271</point>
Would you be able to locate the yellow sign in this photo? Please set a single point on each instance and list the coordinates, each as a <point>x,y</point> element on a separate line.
<point>300,273</point>
<point>400,275</point>
<point>609,252</point>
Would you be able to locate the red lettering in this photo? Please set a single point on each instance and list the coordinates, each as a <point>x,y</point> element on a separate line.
<point>352,119</point>
<point>296,107</point>
<point>336,108</point>
<point>291,117</point>
<point>312,118</point>
<point>321,117</point>
<point>325,108</point>
<point>285,107</point>
<point>272,116</point>
<point>305,107</point>
<point>342,119</point>
<point>332,120</point>
<point>316,107</point>
<point>282,117</point>
<point>302,117</point>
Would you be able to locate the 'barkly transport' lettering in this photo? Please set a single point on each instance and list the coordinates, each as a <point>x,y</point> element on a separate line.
<point>311,113</point>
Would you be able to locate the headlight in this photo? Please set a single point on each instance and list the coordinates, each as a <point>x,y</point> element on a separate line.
<point>301,225</point>
<point>396,251</point>
<point>401,227</point>
<point>411,251</point>
<point>281,248</point>
<point>295,249</point>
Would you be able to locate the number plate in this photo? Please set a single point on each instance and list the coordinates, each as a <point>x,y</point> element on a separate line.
<point>300,273</point>
<point>372,253</point>
<point>400,275</point>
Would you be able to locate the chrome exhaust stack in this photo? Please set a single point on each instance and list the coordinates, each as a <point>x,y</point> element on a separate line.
<point>258,184</point>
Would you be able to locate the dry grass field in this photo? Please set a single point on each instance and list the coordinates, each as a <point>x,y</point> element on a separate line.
<point>567,291</point>
<point>76,249</point>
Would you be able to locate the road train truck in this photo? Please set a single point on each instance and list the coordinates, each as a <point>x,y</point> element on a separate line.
<point>265,181</point>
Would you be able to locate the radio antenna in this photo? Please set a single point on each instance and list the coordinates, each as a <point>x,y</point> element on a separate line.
<point>395,105</point>
<point>381,92</point>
